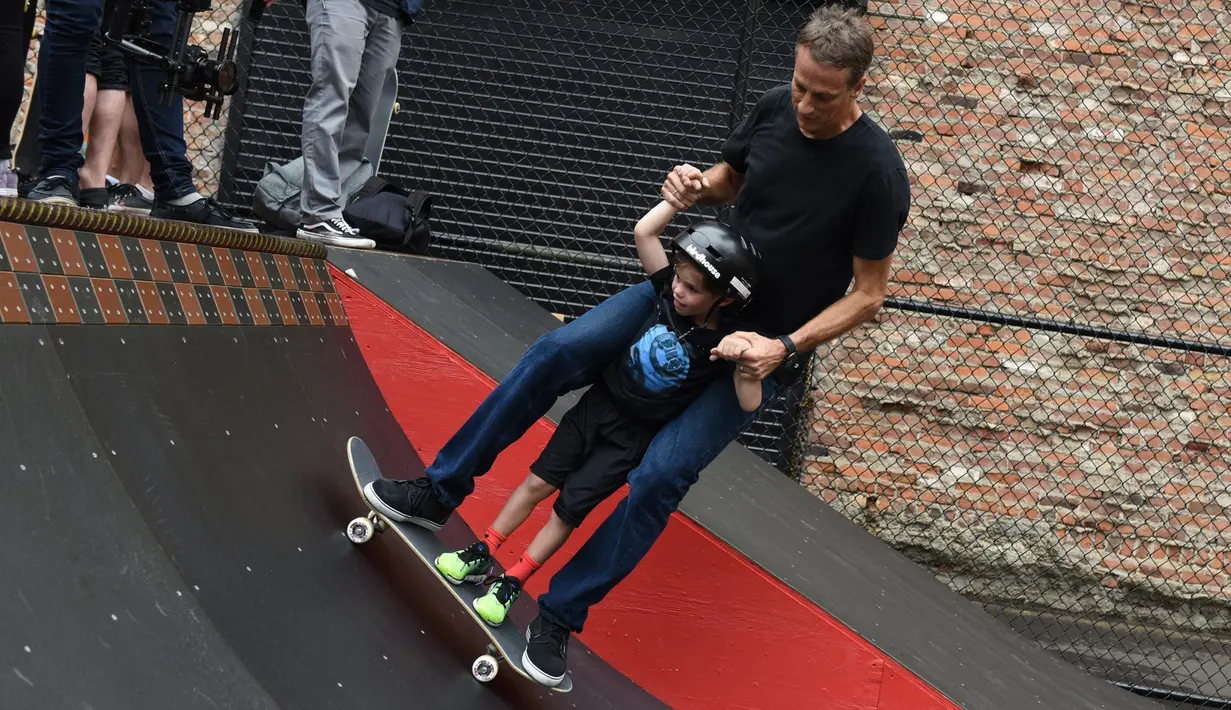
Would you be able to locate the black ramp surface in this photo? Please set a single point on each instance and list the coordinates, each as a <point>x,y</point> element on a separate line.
<point>231,443</point>
<point>975,660</point>
<point>92,614</point>
<point>462,305</point>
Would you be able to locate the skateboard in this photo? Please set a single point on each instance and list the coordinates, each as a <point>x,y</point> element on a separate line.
<point>507,642</point>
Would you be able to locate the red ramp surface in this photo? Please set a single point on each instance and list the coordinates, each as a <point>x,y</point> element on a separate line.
<point>696,624</point>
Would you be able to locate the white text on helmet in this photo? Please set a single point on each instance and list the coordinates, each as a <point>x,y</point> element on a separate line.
<point>697,256</point>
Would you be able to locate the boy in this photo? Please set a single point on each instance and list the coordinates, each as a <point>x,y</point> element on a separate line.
<point>603,437</point>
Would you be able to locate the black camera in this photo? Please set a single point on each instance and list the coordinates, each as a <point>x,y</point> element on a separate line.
<point>191,71</point>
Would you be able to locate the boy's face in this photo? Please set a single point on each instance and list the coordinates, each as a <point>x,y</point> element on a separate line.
<point>689,291</point>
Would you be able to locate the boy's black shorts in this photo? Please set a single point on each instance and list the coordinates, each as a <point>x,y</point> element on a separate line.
<point>108,64</point>
<point>591,454</point>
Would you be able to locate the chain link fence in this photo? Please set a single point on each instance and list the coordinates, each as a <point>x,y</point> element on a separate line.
<point>1039,415</point>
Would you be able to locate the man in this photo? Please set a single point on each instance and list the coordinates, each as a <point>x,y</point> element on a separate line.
<point>71,25</point>
<point>355,46</point>
<point>822,193</point>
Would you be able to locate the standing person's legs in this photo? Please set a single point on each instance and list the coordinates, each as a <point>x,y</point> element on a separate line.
<point>16,21</point>
<point>380,58</point>
<point>161,127</point>
<point>340,32</point>
<point>93,67</point>
<point>71,25</point>
<point>563,360</point>
<point>109,105</point>
<point>135,192</point>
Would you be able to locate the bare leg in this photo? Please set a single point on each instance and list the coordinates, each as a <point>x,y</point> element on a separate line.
<point>521,503</point>
<point>104,131</point>
<point>134,168</point>
<point>549,540</point>
<point>87,108</point>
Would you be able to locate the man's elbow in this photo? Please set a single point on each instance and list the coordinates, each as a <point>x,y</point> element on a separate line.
<point>871,307</point>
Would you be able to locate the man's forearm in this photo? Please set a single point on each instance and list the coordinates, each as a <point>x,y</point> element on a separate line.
<point>843,316</point>
<point>724,186</point>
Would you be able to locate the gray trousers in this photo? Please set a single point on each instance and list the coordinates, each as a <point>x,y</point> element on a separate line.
<point>354,49</point>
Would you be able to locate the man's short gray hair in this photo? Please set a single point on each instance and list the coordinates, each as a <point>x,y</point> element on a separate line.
<point>839,37</point>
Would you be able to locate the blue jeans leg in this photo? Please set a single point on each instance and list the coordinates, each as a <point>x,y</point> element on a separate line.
<point>161,127</point>
<point>71,24</point>
<point>672,464</point>
<point>563,360</point>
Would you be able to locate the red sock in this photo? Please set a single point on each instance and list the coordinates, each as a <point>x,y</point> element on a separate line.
<point>493,538</point>
<point>524,568</point>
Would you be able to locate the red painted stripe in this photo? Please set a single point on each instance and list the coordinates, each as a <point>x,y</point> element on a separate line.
<point>697,624</point>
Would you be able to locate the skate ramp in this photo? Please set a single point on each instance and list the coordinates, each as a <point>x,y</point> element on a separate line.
<point>758,594</point>
<point>172,497</point>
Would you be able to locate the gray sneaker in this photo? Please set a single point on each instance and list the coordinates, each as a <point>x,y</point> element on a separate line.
<point>127,199</point>
<point>8,182</point>
<point>56,190</point>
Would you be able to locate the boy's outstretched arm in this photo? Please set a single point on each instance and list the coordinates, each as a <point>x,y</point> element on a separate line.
<point>646,233</point>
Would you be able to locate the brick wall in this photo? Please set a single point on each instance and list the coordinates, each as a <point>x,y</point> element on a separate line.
<point>1073,167</point>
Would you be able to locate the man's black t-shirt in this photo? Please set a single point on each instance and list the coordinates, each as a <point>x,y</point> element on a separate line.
<point>810,206</point>
<point>668,363</point>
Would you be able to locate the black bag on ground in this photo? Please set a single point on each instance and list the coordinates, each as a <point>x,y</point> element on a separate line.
<point>395,218</point>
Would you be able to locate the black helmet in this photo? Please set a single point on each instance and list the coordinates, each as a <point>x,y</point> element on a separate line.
<point>720,251</point>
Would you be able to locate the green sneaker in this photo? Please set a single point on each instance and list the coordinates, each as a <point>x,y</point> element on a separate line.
<point>472,564</point>
<point>495,605</point>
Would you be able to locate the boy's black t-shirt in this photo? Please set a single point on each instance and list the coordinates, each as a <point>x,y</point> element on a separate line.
<point>810,206</point>
<point>660,374</point>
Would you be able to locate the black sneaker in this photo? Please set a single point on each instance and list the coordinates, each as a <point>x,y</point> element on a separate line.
<point>127,199</point>
<point>204,211</point>
<point>55,190</point>
<point>411,501</point>
<point>26,182</point>
<point>546,655</point>
<point>334,232</point>
<point>96,198</point>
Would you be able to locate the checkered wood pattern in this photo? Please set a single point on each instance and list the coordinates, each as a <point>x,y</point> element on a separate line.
<point>59,276</point>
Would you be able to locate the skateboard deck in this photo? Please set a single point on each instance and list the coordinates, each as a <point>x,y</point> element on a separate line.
<point>508,642</point>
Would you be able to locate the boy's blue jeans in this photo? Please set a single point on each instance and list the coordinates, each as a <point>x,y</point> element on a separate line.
<point>568,358</point>
<point>71,24</point>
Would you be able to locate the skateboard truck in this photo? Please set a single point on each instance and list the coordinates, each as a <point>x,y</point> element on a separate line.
<point>191,70</point>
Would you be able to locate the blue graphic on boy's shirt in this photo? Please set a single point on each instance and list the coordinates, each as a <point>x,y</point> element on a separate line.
<point>658,361</point>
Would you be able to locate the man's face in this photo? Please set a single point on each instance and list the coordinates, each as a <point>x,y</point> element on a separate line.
<point>822,95</point>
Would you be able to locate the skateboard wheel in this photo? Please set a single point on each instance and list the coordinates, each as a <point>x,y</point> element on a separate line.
<point>484,668</point>
<point>360,530</point>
